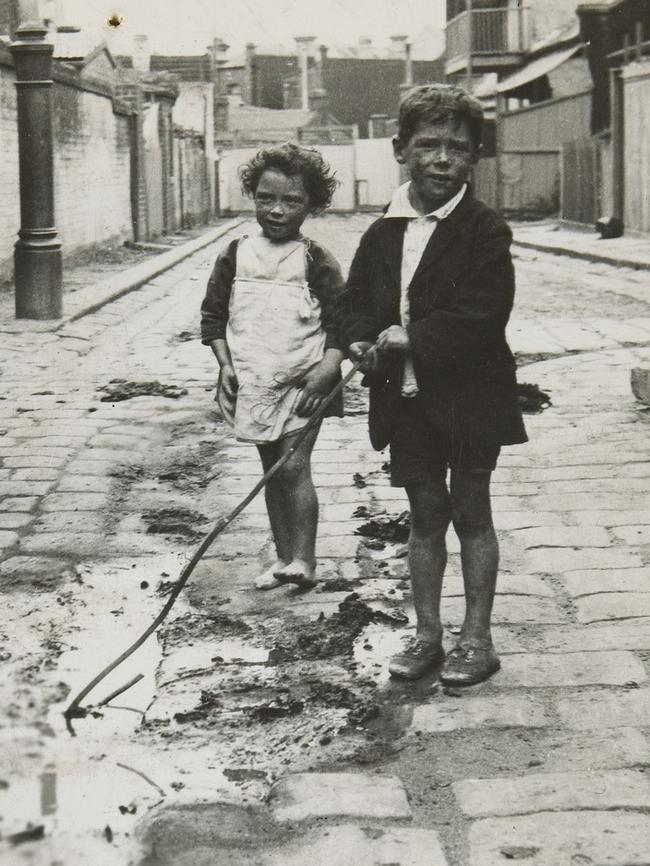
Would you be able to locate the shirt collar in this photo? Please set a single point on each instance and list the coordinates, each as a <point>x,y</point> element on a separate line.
<point>400,206</point>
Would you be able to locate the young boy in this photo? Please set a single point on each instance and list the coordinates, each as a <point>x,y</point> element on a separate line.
<point>432,286</point>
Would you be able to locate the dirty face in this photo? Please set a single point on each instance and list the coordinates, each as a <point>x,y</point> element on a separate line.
<point>439,156</point>
<point>281,205</point>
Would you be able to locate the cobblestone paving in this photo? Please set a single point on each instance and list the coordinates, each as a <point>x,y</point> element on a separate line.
<point>100,503</point>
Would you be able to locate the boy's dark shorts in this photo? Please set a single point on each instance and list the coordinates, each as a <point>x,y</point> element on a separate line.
<point>420,452</point>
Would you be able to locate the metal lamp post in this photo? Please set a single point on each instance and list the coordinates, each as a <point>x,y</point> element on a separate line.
<point>37,254</point>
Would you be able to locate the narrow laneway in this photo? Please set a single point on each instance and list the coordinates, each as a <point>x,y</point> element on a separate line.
<point>104,494</point>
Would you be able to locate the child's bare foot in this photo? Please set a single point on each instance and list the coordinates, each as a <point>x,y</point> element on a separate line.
<point>298,572</point>
<point>267,579</point>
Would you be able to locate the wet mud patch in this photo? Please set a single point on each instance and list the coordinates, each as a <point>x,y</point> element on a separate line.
<point>118,390</point>
<point>190,470</point>
<point>190,627</point>
<point>327,637</point>
<point>339,584</point>
<point>532,399</point>
<point>175,522</point>
<point>283,691</point>
<point>385,528</point>
<point>185,337</point>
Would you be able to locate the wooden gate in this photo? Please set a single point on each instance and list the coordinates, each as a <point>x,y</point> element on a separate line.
<point>581,182</point>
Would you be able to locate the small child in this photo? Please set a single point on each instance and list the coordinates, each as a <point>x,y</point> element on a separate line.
<point>268,316</point>
<point>432,284</point>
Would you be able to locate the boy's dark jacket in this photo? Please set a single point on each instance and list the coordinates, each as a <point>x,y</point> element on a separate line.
<point>460,299</point>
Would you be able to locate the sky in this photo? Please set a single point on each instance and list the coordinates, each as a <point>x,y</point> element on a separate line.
<point>187,26</point>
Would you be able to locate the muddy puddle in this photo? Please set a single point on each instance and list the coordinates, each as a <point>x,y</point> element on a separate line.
<point>118,390</point>
<point>68,799</point>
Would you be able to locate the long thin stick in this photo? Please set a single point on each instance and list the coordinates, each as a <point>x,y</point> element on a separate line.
<point>120,691</point>
<point>75,710</point>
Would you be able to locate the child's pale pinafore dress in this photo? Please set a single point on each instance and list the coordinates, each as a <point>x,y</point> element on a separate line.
<point>274,334</point>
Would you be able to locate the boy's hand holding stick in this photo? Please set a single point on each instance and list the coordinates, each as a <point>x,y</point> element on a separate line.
<point>392,339</point>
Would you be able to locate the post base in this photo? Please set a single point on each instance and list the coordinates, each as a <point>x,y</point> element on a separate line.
<point>38,279</point>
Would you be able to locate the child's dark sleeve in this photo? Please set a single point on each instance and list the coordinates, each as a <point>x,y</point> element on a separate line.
<point>474,318</point>
<point>214,309</point>
<point>355,320</point>
<point>326,282</point>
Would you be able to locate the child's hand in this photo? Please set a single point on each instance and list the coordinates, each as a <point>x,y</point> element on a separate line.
<point>394,339</point>
<point>315,387</point>
<point>229,381</point>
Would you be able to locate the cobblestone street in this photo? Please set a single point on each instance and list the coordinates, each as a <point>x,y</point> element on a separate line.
<point>266,730</point>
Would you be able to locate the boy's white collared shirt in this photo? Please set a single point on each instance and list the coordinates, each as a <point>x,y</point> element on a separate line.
<point>417,235</point>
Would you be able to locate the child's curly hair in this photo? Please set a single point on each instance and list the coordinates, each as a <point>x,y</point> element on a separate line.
<point>292,160</point>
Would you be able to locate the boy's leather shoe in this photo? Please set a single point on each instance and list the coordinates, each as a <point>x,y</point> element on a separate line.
<point>466,666</point>
<point>416,659</point>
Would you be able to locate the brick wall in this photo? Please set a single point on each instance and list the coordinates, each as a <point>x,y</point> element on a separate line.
<point>10,210</point>
<point>92,167</point>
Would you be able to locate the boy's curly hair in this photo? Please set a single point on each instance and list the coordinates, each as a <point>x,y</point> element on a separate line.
<point>435,102</point>
<point>292,160</point>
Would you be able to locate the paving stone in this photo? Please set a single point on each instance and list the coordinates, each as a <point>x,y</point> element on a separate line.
<point>601,486</point>
<point>633,534</point>
<point>70,521</point>
<point>15,520</point>
<point>350,845</point>
<point>8,539</point>
<point>562,473</point>
<point>78,544</point>
<point>31,566</point>
<point>541,670</point>
<point>131,443</point>
<point>75,502</point>
<point>508,520</point>
<point>564,536</point>
<point>509,609</point>
<point>507,584</point>
<point>559,560</point>
<point>39,474</point>
<point>588,502</point>
<point>338,546</point>
<point>70,443</point>
<point>90,467</point>
<point>34,461</point>
<point>624,517</point>
<point>562,839</point>
<point>82,484</point>
<point>626,635</point>
<point>484,711</point>
<point>605,709</point>
<point>307,796</point>
<point>558,750</point>
<point>591,581</point>
<point>24,488</point>
<point>612,605</point>
<point>543,792</point>
<point>17,503</point>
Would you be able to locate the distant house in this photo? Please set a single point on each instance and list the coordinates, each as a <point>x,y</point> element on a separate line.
<point>608,27</point>
<point>617,35</point>
<point>363,81</point>
<point>494,36</point>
